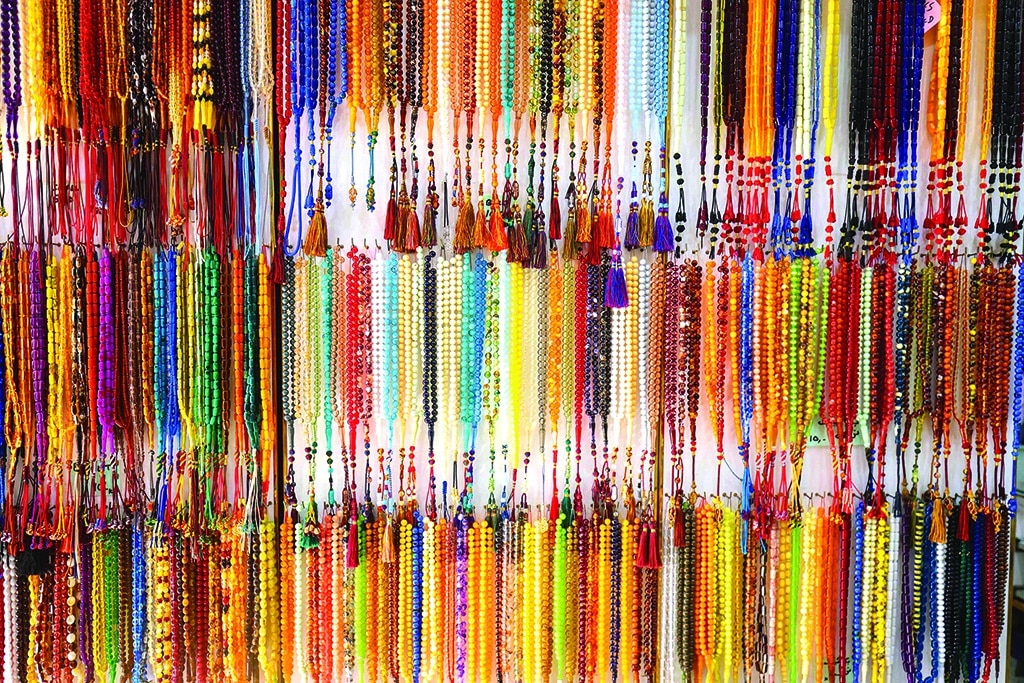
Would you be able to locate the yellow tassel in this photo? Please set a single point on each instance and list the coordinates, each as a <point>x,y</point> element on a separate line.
<point>937,534</point>
<point>646,228</point>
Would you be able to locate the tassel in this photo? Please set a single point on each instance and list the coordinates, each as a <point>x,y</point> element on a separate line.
<point>632,238</point>
<point>964,522</point>
<point>662,233</point>
<point>387,551</point>
<point>806,235</point>
<point>582,222</point>
<point>479,225</point>
<point>428,236</point>
<point>277,261</point>
<point>316,238</point>
<point>401,224</point>
<point>310,537</point>
<point>390,218</point>
<point>570,244</point>
<point>646,228</point>
<point>653,551</point>
<point>412,231</point>
<point>615,295</point>
<point>352,556</point>
<point>592,257</point>
<point>937,534</point>
<point>518,249</point>
<point>604,234</point>
<point>981,223</point>
<point>462,241</point>
<point>530,229</point>
<point>702,213</point>
<point>495,239</point>
<point>539,252</point>
<point>555,220</point>
<point>678,538</point>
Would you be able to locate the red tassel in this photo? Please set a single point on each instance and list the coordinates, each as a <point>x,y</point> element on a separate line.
<point>653,551</point>
<point>352,556</point>
<point>605,232</point>
<point>641,548</point>
<point>678,538</point>
<point>390,218</point>
<point>555,220</point>
<point>277,261</point>
<point>964,523</point>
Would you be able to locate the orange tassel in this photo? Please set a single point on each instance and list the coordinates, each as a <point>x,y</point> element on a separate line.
<point>495,239</point>
<point>316,238</point>
<point>412,231</point>
<point>604,236</point>
<point>582,222</point>
<point>937,534</point>
<point>387,550</point>
<point>462,242</point>
<point>479,225</point>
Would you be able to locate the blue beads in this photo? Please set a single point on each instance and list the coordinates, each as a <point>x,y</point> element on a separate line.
<point>858,586</point>
<point>417,594</point>
<point>139,668</point>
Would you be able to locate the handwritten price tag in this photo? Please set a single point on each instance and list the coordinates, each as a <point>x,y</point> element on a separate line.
<point>932,13</point>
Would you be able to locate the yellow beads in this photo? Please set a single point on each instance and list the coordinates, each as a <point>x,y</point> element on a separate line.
<point>405,599</point>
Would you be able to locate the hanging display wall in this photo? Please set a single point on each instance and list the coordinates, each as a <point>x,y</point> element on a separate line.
<point>529,340</point>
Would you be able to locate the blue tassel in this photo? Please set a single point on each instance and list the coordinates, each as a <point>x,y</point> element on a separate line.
<point>662,233</point>
<point>748,494</point>
<point>776,238</point>
<point>632,239</point>
<point>615,287</point>
<point>806,232</point>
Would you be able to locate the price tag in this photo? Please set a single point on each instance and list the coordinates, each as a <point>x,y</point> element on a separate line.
<point>817,436</point>
<point>932,14</point>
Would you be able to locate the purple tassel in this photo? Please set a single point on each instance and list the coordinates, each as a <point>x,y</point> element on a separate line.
<point>662,233</point>
<point>615,287</point>
<point>632,239</point>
